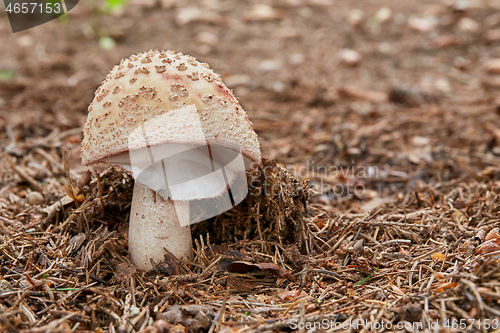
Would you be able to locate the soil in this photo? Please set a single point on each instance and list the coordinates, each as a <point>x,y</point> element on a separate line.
<point>380,120</point>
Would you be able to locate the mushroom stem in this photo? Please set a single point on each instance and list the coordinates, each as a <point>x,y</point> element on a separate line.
<point>154,224</point>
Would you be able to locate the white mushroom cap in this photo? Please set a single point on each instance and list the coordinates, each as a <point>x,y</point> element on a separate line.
<point>149,86</point>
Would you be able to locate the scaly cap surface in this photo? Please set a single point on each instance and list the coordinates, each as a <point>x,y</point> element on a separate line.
<point>147,86</point>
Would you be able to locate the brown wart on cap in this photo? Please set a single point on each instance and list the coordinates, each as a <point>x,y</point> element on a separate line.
<point>153,92</point>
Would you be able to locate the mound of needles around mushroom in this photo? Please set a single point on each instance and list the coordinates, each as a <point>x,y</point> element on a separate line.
<point>171,123</point>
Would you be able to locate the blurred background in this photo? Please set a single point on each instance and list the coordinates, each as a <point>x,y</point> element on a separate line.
<point>408,89</point>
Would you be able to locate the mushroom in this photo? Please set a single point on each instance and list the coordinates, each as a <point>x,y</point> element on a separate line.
<point>170,121</point>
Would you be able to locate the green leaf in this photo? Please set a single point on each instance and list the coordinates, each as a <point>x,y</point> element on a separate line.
<point>365,279</point>
<point>112,5</point>
<point>6,75</point>
<point>107,43</point>
<point>63,19</point>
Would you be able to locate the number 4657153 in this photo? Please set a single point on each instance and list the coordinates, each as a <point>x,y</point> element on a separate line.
<point>33,7</point>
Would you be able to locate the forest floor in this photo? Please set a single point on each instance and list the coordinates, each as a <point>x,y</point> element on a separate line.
<point>385,114</point>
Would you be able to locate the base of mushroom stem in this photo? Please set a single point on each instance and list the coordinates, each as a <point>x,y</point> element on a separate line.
<point>154,224</point>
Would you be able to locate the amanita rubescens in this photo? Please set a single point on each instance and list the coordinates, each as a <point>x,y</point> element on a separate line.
<point>171,122</point>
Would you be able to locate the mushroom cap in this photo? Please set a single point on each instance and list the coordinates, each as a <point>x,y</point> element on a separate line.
<point>152,87</point>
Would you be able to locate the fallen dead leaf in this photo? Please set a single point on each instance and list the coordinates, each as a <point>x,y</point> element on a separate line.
<point>247,267</point>
<point>488,247</point>
<point>291,295</point>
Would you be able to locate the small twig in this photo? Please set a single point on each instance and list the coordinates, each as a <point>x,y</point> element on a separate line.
<point>325,272</point>
<point>302,315</point>
<point>23,175</point>
<point>473,288</point>
<point>56,207</point>
<point>396,241</point>
<point>219,317</point>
